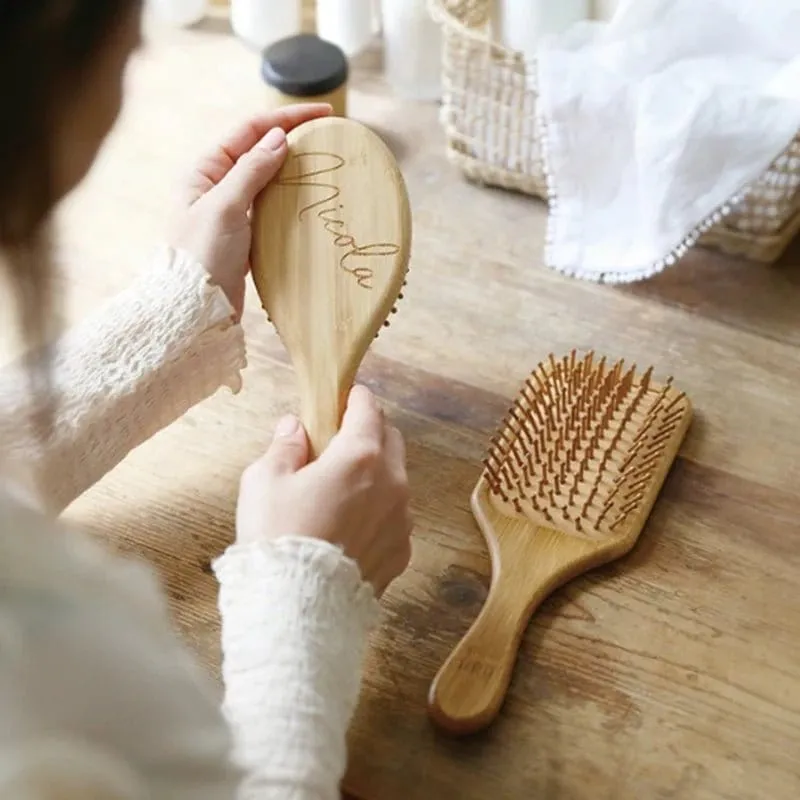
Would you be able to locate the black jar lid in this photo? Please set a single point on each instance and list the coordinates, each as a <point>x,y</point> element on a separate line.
<point>304,66</point>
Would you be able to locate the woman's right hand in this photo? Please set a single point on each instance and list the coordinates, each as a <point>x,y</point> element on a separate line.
<point>355,495</point>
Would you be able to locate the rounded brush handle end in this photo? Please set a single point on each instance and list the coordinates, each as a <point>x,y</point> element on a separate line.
<point>470,688</point>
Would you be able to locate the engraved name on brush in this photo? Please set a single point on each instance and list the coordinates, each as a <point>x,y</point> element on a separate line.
<point>331,213</point>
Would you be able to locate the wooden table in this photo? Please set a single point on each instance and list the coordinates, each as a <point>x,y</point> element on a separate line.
<point>672,674</point>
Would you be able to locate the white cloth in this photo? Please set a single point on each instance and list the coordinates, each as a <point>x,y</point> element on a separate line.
<point>654,122</point>
<point>98,697</point>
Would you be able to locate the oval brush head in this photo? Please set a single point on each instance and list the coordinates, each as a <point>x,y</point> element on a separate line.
<point>567,485</point>
<point>331,244</point>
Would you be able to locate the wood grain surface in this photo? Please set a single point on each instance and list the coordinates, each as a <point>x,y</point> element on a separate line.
<point>673,673</point>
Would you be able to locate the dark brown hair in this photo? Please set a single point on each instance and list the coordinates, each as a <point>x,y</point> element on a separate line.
<point>44,47</point>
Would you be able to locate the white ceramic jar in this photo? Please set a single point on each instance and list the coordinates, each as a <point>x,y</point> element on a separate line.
<point>412,49</point>
<point>260,23</point>
<point>349,24</point>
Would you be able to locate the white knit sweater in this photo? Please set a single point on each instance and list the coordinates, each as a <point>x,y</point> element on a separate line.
<point>98,698</point>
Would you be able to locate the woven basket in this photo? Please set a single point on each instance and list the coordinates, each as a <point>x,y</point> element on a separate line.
<point>489,117</point>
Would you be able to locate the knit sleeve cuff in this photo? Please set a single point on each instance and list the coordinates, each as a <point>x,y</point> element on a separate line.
<point>295,620</point>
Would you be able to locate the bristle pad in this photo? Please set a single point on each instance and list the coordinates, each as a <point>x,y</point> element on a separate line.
<point>581,445</point>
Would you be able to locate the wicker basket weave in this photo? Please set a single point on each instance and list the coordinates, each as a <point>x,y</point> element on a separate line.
<point>489,118</point>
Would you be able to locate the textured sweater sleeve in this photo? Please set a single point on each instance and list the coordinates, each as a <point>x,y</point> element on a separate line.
<point>295,620</point>
<point>121,375</point>
<point>100,699</point>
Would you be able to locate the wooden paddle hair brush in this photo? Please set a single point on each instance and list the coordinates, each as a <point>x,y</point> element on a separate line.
<point>567,485</point>
<point>331,246</point>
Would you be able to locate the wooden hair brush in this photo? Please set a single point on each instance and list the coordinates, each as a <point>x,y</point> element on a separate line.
<point>331,244</point>
<point>567,486</point>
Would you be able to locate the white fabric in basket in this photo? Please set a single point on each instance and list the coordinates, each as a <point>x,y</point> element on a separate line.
<point>653,123</point>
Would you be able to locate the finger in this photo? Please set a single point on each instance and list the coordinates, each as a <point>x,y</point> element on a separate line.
<point>215,165</point>
<point>396,452</point>
<point>363,418</point>
<point>289,449</point>
<point>409,521</point>
<point>286,118</point>
<point>387,562</point>
<point>396,560</point>
<point>251,173</point>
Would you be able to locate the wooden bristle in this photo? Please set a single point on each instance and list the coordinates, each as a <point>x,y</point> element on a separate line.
<point>583,443</point>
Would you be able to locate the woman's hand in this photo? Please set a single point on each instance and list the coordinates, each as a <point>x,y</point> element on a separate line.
<point>354,495</point>
<point>214,222</point>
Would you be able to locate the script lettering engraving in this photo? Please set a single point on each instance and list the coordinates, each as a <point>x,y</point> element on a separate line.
<point>330,212</point>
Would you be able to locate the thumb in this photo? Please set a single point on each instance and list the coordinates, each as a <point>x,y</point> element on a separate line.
<point>289,449</point>
<point>253,171</point>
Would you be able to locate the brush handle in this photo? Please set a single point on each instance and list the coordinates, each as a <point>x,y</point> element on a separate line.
<point>529,562</point>
<point>469,689</point>
<point>321,421</point>
<point>322,406</point>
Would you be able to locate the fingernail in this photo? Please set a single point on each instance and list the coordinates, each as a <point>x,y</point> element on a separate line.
<point>286,426</point>
<point>274,140</point>
<point>359,388</point>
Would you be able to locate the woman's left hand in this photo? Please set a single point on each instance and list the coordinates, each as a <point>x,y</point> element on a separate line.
<point>214,222</point>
